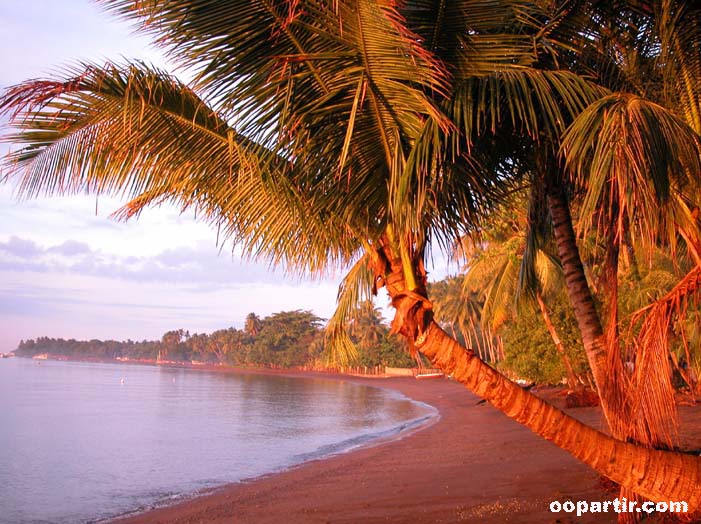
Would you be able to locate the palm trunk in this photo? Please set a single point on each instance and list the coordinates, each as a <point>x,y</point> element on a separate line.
<point>618,399</point>
<point>657,475</point>
<point>602,348</point>
<point>631,261</point>
<point>572,380</point>
<point>620,421</point>
<point>580,296</point>
<point>623,425</point>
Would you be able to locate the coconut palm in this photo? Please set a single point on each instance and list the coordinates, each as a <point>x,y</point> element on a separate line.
<point>332,134</point>
<point>506,280</point>
<point>252,325</point>
<point>459,313</point>
<point>634,156</point>
<point>636,163</point>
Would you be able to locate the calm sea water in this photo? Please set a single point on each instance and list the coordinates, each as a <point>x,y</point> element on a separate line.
<point>81,442</point>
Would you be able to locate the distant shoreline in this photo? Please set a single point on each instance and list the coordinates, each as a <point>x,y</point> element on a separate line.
<point>224,368</point>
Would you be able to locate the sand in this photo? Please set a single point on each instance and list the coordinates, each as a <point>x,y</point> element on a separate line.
<point>472,464</point>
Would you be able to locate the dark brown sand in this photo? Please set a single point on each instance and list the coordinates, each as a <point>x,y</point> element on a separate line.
<point>473,465</point>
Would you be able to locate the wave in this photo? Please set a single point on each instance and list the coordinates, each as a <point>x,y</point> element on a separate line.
<point>366,439</point>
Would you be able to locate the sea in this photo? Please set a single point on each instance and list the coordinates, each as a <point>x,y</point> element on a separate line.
<point>85,442</point>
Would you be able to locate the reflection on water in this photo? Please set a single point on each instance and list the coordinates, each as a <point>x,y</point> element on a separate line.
<point>83,441</point>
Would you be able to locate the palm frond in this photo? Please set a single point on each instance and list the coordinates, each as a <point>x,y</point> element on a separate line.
<point>109,129</point>
<point>679,28</point>
<point>529,100</point>
<point>635,152</point>
<point>654,324</point>
<point>356,288</point>
<point>135,132</point>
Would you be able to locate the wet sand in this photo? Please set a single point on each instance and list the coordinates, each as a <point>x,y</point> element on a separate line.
<point>472,465</point>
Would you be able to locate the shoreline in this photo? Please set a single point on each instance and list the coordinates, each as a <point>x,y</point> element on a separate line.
<point>404,430</point>
<point>470,463</point>
<point>207,366</point>
<point>467,463</point>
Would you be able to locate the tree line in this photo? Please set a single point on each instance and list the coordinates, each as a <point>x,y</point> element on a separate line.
<point>282,340</point>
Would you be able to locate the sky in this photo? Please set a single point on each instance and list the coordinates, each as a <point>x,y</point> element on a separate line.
<point>68,270</point>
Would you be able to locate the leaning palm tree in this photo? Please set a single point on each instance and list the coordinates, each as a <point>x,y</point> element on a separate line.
<point>330,134</point>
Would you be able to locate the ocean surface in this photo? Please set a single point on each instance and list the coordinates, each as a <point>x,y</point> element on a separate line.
<point>82,442</point>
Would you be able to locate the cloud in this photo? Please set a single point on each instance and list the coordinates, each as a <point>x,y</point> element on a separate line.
<point>85,307</point>
<point>202,266</point>
<point>21,248</point>
<point>13,304</point>
<point>71,247</point>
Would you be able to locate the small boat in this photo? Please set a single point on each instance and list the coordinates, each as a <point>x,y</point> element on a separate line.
<point>429,375</point>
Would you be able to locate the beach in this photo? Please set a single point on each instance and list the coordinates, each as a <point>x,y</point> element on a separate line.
<point>471,464</point>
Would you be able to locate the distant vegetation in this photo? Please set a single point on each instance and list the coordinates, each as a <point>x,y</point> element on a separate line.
<point>285,339</point>
<point>510,336</point>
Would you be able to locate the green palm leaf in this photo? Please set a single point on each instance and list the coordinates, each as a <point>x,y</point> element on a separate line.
<point>640,152</point>
<point>356,288</point>
<point>679,27</point>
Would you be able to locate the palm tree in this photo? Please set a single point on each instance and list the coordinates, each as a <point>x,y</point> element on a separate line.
<point>253,324</point>
<point>497,269</point>
<point>459,313</point>
<point>320,135</point>
<point>367,327</point>
<point>171,341</point>
<point>636,146</point>
<point>624,153</point>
